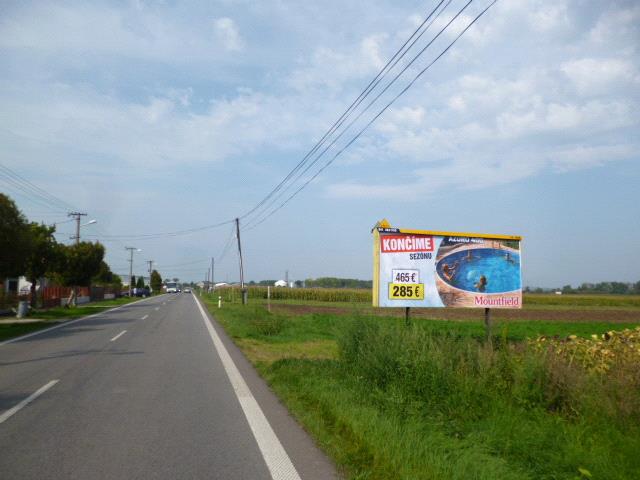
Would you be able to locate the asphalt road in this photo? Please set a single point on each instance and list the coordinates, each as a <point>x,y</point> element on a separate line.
<point>153,389</point>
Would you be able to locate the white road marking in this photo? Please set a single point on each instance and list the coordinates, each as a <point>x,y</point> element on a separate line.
<point>64,324</point>
<point>118,335</point>
<point>157,308</point>
<point>27,401</point>
<point>144,318</point>
<point>273,452</point>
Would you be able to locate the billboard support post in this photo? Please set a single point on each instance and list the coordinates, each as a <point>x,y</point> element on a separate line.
<point>487,323</point>
<point>407,319</point>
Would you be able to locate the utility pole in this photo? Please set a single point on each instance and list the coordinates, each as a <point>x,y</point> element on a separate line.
<point>213,285</point>
<point>286,277</point>
<point>244,292</point>
<point>131,250</point>
<point>77,216</point>
<point>150,262</point>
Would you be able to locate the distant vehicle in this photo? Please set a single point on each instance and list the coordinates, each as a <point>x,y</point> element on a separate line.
<point>187,290</point>
<point>141,292</point>
<point>172,287</point>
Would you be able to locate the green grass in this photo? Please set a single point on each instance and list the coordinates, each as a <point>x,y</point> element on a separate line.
<point>334,296</point>
<point>11,330</point>
<point>63,313</point>
<point>432,401</point>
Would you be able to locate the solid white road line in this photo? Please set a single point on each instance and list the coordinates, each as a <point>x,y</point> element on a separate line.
<point>118,335</point>
<point>27,400</point>
<point>64,324</point>
<point>144,318</point>
<point>273,452</point>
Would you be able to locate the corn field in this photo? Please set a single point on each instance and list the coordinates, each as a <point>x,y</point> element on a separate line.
<point>233,294</point>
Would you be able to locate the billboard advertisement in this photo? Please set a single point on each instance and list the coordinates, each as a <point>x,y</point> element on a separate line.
<point>422,268</point>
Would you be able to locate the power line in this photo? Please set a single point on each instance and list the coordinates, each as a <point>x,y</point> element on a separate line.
<point>354,105</point>
<point>402,92</point>
<point>367,107</point>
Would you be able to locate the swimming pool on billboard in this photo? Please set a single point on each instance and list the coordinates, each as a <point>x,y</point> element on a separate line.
<point>481,270</point>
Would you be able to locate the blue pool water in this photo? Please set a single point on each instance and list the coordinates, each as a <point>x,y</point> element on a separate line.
<point>502,275</point>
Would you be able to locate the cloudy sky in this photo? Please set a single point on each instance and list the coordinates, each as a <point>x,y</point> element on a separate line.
<point>162,116</point>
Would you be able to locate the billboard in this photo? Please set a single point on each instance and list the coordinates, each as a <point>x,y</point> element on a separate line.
<point>422,268</point>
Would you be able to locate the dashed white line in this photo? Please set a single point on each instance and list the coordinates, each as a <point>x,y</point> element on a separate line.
<point>69,322</point>
<point>144,318</point>
<point>157,308</point>
<point>27,401</point>
<point>274,454</point>
<point>118,335</point>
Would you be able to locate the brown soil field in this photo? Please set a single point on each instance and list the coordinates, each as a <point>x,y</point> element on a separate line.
<point>547,314</point>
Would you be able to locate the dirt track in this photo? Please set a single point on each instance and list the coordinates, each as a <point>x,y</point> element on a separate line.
<point>546,314</point>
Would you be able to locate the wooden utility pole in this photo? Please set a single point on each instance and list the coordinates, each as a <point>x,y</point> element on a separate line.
<point>77,216</point>
<point>244,291</point>
<point>131,250</point>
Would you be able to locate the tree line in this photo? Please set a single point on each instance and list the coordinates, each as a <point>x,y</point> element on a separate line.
<point>611,288</point>
<point>30,249</point>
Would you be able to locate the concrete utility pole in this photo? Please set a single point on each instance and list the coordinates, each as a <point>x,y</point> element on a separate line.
<point>77,216</point>
<point>131,250</point>
<point>150,262</point>
<point>244,291</point>
<point>213,285</point>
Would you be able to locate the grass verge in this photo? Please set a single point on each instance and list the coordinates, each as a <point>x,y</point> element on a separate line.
<point>55,315</point>
<point>432,401</point>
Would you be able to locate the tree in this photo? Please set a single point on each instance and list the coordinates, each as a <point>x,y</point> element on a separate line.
<point>43,255</point>
<point>156,281</point>
<point>140,282</point>
<point>175,279</point>
<point>105,277</point>
<point>80,263</point>
<point>14,239</point>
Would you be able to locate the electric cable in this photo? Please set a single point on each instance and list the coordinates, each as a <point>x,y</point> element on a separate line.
<point>402,92</point>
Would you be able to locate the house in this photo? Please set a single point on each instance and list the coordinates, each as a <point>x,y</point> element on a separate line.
<point>280,283</point>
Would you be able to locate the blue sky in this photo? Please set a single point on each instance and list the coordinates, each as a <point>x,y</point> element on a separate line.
<point>162,116</point>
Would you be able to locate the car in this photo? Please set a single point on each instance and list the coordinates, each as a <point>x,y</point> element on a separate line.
<point>187,290</point>
<point>172,287</point>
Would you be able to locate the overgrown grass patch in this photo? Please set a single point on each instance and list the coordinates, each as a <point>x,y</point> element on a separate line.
<point>433,401</point>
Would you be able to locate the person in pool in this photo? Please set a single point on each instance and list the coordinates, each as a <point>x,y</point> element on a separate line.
<point>508,258</point>
<point>469,256</point>
<point>449,271</point>
<point>482,284</point>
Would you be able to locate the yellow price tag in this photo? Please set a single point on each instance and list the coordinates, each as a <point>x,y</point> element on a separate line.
<point>406,291</point>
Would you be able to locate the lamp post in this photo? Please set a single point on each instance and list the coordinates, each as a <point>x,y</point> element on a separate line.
<point>77,216</point>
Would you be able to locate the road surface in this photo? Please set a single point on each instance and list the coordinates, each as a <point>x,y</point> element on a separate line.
<point>153,389</point>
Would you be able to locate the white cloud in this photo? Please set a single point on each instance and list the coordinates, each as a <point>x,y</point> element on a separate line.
<point>371,49</point>
<point>227,33</point>
<point>600,75</point>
